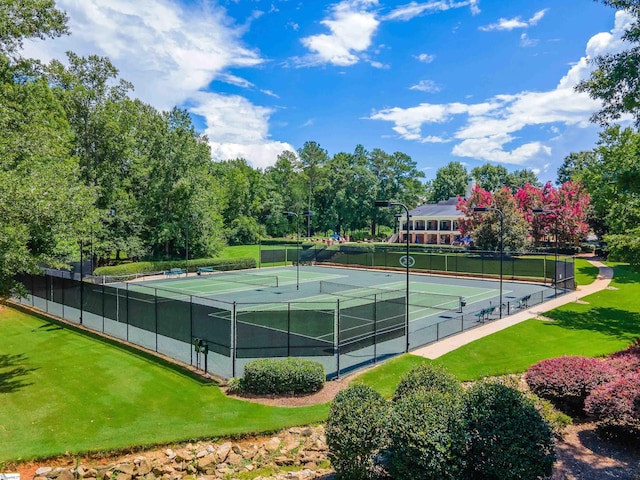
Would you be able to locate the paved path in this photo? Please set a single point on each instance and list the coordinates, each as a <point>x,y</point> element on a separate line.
<point>447,345</point>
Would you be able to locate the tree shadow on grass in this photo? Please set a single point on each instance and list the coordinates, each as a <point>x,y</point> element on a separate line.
<point>614,322</point>
<point>13,373</point>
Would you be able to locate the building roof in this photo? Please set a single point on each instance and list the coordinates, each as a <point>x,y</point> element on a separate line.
<point>444,208</point>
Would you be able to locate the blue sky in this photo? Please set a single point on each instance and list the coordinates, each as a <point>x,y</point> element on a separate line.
<point>473,81</point>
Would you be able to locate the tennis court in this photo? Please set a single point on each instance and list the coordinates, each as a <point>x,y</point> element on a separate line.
<point>341,317</point>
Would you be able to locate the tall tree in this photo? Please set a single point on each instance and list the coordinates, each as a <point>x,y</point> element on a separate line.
<point>397,178</point>
<point>519,178</point>
<point>347,192</point>
<point>312,159</point>
<point>573,164</point>
<point>614,81</point>
<point>613,180</point>
<point>491,177</point>
<point>451,181</point>
<point>44,207</point>
<point>24,19</point>
<point>178,186</point>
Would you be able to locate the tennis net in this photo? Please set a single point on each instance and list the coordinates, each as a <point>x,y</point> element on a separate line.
<point>440,301</point>
<point>245,278</point>
<point>354,291</point>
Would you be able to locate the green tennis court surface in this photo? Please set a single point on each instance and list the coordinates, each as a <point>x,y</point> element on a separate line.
<point>318,305</point>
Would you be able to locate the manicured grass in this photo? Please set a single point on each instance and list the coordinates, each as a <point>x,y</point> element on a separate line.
<point>241,251</point>
<point>62,390</point>
<point>608,323</point>
<point>585,272</point>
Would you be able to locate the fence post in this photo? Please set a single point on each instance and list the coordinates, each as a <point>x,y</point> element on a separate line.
<point>337,338</point>
<point>288,329</point>
<point>155,311</point>
<point>234,340</point>
<point>103,299</point>
<point>375,327</point>
<point>127,310</point>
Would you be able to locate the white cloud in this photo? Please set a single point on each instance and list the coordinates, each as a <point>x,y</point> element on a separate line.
<point>167,51</point>
<point>517,22</point>
<point>414,9</point>
<point>352,27</point>
<point>425,57</point>
<point>428,86</point>
<point>234,80</point>
<point>237,128</point>
<point>491,130</point>
<point>171,53</point>
<point>525,41</point>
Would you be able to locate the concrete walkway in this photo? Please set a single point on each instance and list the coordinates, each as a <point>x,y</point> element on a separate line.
<point>449,344</point>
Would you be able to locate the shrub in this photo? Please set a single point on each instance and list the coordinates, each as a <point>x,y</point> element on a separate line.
<point>282,376</point>
<point>355,431</point>
<point>427,436</point>
<point>616,405</point>
<point>627,360</point>
<point>223,264</point>
<point>508,438</point>
<point>567,381</point>
<point>427,377</point>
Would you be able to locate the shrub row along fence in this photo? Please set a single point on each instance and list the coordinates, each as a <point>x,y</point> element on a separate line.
<point>529,266</point>
<point>221,337</point>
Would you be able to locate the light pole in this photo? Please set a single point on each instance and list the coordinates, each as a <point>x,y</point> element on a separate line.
<point>307,214</point>
<point>555,268</point>
<point>294,214</point>
<point>192,216</point>
<point>388,203</point>
<point>489,209</point>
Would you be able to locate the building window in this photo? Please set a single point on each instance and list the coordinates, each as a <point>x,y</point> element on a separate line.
<point>445,225</point>
<point>432,225</point>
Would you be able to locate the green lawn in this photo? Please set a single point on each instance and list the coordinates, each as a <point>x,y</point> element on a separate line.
<point>585,272</point>
<point>608,323</point>
<point>62,390</point>
<point>241,251</point>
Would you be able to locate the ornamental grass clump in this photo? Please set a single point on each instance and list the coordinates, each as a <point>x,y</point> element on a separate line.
<point>567,381</point>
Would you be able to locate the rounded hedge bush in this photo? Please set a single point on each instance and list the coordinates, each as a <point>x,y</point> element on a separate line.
<point>627,360</point>
<point>427,436</point>
<point>508,438</point>
<point>427,377</point>
<point>355,431</point>
<point>282,376</point>
<point>616,405</point>
<point>567,381</point>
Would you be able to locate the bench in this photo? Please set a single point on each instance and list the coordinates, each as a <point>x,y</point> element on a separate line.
<point>175,271</point>
<point>202,270</point>
<point>485,314</point>
<point>524,301</point>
